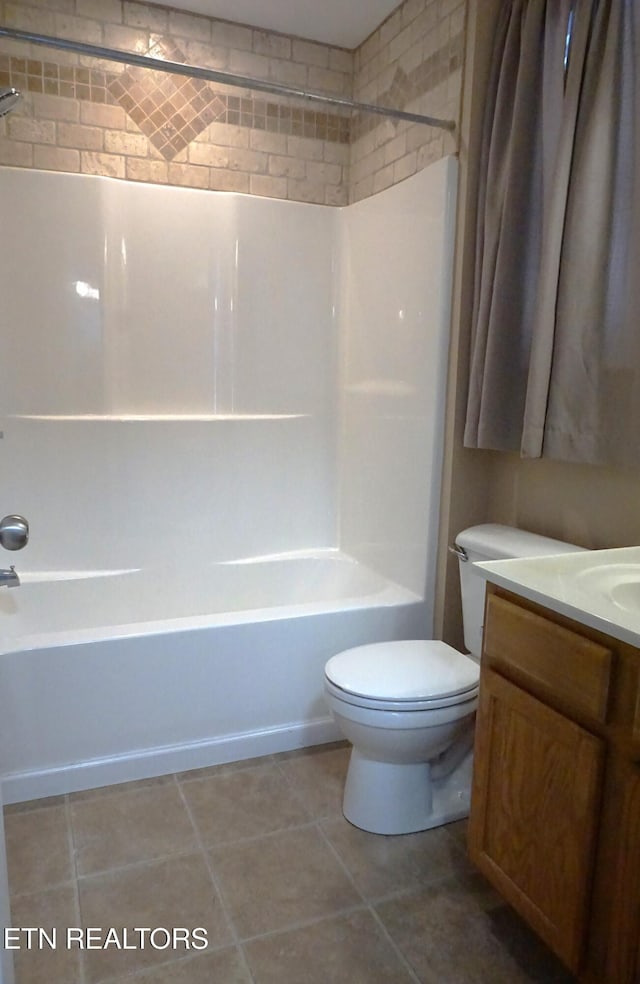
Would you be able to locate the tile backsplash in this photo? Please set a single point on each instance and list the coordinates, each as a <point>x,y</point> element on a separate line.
<point>85,115</point>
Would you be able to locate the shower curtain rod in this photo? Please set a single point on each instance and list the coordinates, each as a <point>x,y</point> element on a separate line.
<point>211,75</point>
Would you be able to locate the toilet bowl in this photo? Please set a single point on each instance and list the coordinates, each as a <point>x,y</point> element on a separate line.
<point>408,709</point>
<point>408,706</point>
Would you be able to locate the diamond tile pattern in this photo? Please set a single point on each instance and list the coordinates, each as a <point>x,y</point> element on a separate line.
<point>171,110</point>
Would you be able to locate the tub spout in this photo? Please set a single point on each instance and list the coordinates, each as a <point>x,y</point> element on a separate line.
<point>9,578</point>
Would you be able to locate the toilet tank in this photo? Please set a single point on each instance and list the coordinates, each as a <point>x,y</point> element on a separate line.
<point>491,541</point>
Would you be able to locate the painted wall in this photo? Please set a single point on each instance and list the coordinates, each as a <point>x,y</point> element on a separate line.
<point>81,115</point>
<point>592,506</point>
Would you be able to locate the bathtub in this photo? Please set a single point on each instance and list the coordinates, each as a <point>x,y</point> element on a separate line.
<point>112,675</point>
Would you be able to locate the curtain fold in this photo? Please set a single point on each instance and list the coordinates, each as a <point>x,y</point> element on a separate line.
<point>555,365</point>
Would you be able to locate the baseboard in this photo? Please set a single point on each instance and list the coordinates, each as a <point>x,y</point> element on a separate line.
<point>164,760</point>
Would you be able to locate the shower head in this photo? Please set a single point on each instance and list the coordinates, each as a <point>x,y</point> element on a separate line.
<point>9,99</point>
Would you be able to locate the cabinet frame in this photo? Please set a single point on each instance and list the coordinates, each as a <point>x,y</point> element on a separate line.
<point>599,940</point>
<point>533,824</point>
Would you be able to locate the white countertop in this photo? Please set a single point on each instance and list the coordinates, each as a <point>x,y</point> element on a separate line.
<point>599,588</point>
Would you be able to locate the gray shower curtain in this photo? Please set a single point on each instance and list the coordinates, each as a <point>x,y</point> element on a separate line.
<point>556,343</point>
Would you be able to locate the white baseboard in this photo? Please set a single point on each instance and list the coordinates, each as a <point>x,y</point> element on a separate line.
<point>164,760</point>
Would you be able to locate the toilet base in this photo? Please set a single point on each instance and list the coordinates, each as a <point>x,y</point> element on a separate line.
<point>391,798</point>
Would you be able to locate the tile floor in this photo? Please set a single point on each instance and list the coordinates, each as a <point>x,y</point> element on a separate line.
<point>259,855</point>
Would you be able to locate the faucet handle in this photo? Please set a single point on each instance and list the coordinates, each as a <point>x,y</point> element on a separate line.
<point>14,532</point>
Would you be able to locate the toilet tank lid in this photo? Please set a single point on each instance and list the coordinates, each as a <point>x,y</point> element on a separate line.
<point>403,670</point>
<point>492,541</point>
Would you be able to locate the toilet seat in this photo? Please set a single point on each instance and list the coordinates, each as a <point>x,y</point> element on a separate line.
<point>408,675</point>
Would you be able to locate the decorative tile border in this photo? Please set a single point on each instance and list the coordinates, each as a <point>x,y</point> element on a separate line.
<point>73,82</point>
<point>98,117</point>
<point>405,87</point>
<point>171,110</point>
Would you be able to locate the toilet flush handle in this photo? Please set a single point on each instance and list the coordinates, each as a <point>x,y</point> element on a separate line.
<point>460,552</point>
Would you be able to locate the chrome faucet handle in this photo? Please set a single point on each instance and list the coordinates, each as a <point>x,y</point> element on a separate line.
<point>9,578</point>
<point>14,532</point>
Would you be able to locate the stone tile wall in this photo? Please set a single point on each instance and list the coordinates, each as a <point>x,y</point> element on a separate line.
<point>99,117</point>
<point>413,61</point>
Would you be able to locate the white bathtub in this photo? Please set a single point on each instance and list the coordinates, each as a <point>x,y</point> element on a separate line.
<point>107,676</point>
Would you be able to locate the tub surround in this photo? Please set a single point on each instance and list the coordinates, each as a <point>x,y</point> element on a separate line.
<point>209,379</point>
<point>240,408</point>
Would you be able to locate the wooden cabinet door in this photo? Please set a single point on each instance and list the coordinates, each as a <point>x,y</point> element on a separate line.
<point>534,811</point>
<point>614,936</point>
<point>624,937</point>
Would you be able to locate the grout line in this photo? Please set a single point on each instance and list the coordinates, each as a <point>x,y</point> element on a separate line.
<point>304,923</point>
<point>133,975</point>
<point>396,949</point>
<point>258,837</point>
<point>223,769</point>
<point>292,782</point>
<point>212,875</point>
<point>401,957</point>
<point>341,862</point>
<point>139,864</point>
<point>206,853</point>
<point>245,964</point>
<point>38,891</point>
<point>297,794</point>
<point>74,867</point>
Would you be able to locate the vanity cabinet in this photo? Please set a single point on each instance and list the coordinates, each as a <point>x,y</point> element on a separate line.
<point>555,809</point>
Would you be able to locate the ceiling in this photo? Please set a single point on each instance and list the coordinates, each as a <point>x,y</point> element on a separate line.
<point>341,22</point>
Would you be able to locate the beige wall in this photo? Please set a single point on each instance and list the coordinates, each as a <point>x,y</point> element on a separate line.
<point>593,507</point>
<point>86,116</point>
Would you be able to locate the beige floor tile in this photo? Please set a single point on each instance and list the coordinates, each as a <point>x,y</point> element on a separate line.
<point>458,830</point>
<point>38,854</point>
<point>122,787</point>
<point>246,803</point>
<point>224,769</point>
<point>224,967</point>
<point>446,934</point>
<point>280,880</point>
<point>350,949</point>
<point>317,776</point>
<point>28,806</point>
<point>382,865</point>
<point>137,825</point>
<point>173,893</point>
<point>54,908</point>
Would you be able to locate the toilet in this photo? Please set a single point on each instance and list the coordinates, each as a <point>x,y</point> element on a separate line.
<point>408,706</point>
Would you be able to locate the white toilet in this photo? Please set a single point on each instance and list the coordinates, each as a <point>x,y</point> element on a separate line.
<point>408,707</point>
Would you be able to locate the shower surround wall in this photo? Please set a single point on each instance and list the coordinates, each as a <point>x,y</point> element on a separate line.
<point>172,379</point>
<point>242,430</point>
<point>83,116</point>
<point>188,387</point>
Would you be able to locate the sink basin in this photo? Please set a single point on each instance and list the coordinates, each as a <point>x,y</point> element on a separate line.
<point>627,595</point>
<point>620,583</point>
<point>599,588</point>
